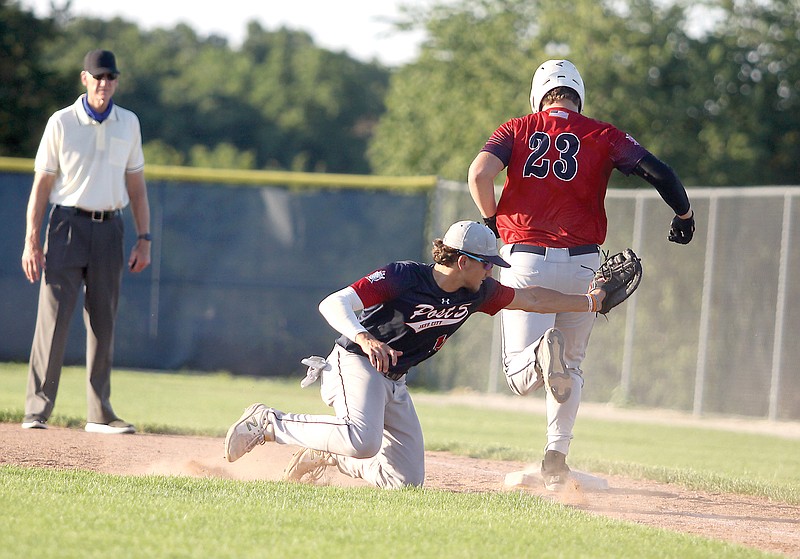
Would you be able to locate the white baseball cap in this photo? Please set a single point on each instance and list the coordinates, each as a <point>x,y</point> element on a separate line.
<point>474,239</point>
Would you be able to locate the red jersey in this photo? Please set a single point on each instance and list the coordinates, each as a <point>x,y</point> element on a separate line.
<point>559,163</point>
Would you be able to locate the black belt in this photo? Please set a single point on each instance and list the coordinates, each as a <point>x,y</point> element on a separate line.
<point>394,376</point>
<point>97,215</point>
<point>573,251</point>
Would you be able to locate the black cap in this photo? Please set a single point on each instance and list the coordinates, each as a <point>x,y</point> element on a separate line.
<point>100,62</point>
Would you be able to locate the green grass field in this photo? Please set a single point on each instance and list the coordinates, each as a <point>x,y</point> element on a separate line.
<point>81,514</point>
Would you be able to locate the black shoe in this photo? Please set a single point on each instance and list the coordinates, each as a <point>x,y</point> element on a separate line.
<point>555,471</point>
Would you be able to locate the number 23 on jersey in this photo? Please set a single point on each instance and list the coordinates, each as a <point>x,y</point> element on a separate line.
<point>540,166</point>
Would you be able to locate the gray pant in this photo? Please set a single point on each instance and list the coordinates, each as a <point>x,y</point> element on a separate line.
<point>79,253</point>
<point>375,435</point>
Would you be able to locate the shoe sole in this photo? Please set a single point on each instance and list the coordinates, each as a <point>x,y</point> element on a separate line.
<point>312,475</point>
<point>554,370</point>
<point>289,473</point>
<point>250,410</point>
<point>108,430</point>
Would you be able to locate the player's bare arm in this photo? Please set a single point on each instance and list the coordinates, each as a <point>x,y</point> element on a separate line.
<point>543,300</point>
<point>482,173</point>
<point>32,254</point>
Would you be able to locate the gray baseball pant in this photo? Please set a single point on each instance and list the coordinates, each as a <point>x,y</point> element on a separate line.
<point>375,434</point>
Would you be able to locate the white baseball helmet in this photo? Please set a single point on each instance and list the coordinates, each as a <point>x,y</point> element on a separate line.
<point>552,74</point>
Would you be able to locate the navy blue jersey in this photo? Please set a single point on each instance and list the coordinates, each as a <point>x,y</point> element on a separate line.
<point>405,308</point>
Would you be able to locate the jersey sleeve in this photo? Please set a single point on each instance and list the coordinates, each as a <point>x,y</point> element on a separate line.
<point>500,143</point>
<point>136,156</point>
<point>498,297</point>
<point>625,151</point>
<point>384,284</point>
<point>47,154</point>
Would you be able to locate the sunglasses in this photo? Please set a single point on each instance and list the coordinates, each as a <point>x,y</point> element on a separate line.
<point>486,264</point>
<point>108,77</point>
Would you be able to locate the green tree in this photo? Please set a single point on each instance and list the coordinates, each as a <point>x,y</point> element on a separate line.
<point>26,86</point>
<point>643,72</point>
<point>156,152</point>
<point>321,106</point>
<point>183,88</point>
<point>223,156</point>
<point>278,102</point>
<point>469,78</point>
<point>752,131</point>
<point>716,102</point>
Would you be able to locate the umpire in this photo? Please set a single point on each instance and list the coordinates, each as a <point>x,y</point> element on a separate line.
<point>89,166</point>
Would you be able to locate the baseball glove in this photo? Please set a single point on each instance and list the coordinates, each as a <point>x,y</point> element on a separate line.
<point>618,277</point>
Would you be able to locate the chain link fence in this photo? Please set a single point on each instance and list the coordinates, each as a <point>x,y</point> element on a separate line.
<point>238,272</point>
<point>710,330</point>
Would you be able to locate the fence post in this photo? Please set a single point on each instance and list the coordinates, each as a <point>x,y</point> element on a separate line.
<point>630,313</point>
<point>157,227</point>
<point>705,307</point>
<point>780,308</point>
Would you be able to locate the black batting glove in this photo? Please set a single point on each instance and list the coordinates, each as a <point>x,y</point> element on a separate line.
<point>491,223</point>
<point>681,231</point>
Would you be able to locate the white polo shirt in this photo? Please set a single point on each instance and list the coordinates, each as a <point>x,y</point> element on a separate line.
<point>90,159</point>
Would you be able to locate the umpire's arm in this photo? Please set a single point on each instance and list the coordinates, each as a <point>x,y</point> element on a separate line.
<point>32,255</point>
<point>140,206</point>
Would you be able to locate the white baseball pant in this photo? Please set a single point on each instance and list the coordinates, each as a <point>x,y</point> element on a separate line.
<point>522,331</point>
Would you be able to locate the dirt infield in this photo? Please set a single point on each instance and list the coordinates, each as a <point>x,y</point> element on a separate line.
<point>744,520</point>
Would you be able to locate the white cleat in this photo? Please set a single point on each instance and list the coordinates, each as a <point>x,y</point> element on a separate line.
<point>252,429</point>
<point>550,357</point>
<point>34,422</point>
<point>115,427</point>
<point>308,465</point>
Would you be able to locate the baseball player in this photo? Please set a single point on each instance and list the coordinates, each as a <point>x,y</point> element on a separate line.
<point>552,219</point>
<point>408,310</point>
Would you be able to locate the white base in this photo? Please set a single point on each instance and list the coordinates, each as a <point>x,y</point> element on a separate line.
<point>533,478</point>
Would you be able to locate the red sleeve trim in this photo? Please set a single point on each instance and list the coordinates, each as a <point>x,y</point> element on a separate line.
<point>499,298</point>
